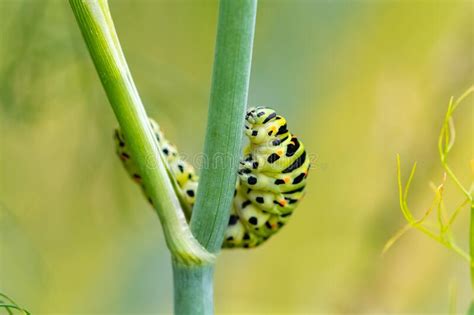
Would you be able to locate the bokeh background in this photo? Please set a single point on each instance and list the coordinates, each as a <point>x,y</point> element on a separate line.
<point>359,81</point>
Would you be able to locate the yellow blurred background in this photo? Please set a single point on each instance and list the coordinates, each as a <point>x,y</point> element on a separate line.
<point>358,80</point>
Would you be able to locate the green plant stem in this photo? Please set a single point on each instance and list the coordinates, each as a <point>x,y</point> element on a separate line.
<point>193,290</point>
<point>448,134</point>
<point>471,250</point>
<point>230,80</point>
<point>95,22</point>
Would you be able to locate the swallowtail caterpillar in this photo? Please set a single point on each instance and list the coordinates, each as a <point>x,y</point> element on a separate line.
<point>271,177</point>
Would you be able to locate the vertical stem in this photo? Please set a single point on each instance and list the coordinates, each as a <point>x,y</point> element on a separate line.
<point>228,101</point>
<point>471,252</point>
<point>193,290</point>
<point>471,245</point>
<point>230,80</point>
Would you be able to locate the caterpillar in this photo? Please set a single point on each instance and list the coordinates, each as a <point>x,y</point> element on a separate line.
<point>271,177</point>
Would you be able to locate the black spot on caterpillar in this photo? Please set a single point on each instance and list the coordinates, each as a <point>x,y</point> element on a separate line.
<point>233,219</point>
<point>296,164</point>
<point>273,158</point>
<point>272,177</point>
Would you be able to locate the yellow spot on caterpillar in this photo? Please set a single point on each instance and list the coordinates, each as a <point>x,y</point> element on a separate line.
<point>279,152</point>
<point>286,180</point>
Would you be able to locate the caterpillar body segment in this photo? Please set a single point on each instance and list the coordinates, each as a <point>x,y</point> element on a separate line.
<point>182,174</point>
<point>272,177</point>
<point>271,182</point>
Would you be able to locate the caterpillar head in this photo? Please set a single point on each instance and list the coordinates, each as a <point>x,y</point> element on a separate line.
<point>262,125</point>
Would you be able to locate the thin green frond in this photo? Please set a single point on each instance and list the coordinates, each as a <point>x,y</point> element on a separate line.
<point>407,187</point>
<point>456,212</point>
<point>9,307</point>
<point>444,221</point>
<point>457,182</point>
<point>396,237</point>
<point>447,138</point>
<point>6,297</point>
<point>451,131</point>
<point>463,96</point>
<point>443,138</point>
<point>403,193</point>
<point>439,195</point>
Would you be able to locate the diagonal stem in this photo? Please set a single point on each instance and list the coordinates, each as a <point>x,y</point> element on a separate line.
<point>95,22</point>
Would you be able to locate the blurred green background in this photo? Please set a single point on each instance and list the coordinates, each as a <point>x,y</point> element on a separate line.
<point>358,81</point>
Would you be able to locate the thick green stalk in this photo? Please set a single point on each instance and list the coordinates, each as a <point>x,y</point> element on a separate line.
<point>471,245</point>
<point>222,149</point>
<point>95,22</point>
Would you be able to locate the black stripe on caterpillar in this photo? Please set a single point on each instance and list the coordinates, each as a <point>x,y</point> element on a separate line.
<point>271,177</point>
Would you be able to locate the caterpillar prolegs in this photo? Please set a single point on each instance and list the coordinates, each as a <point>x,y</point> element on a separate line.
<point>271,177</point>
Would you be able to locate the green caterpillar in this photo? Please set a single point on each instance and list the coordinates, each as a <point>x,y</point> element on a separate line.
<point>271,183</point>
